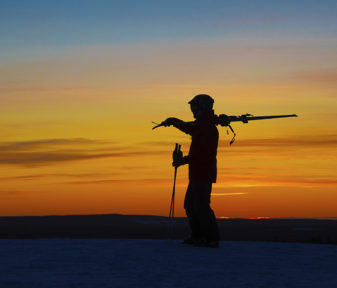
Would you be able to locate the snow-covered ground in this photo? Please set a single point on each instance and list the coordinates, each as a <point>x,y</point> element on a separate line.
<point>161,263</point>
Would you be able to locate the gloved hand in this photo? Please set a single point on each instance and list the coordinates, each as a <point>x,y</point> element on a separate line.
<point>170,121</point>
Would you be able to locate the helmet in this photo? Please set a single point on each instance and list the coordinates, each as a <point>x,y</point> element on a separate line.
<point>203,101</point>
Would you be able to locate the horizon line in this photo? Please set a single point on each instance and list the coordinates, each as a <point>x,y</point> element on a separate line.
<point>149,215</point>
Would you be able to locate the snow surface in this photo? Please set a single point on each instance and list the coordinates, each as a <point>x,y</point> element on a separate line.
<point>164,263</point>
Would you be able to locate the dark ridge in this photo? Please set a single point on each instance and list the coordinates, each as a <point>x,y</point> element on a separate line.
<point>155,227</point>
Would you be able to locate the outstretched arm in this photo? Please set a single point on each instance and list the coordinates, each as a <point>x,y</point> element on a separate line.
<point>186,127</point>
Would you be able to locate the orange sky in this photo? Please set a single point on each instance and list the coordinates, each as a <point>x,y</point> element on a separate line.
<point>76,136</point>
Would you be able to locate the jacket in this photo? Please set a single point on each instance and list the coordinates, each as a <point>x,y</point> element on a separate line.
<point>201,158</point>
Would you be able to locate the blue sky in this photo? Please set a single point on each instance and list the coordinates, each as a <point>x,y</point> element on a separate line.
<point>30,23</point>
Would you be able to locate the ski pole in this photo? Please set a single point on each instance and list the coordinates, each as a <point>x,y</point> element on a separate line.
<point>171,214</point>
<point>176,154</point>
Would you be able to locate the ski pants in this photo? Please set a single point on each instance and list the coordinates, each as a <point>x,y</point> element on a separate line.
<point>198,210</point>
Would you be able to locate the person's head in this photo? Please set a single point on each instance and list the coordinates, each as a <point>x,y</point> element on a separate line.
<point>201,104</point>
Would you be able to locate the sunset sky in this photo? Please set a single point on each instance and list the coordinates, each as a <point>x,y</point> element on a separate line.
<point>81,82</point>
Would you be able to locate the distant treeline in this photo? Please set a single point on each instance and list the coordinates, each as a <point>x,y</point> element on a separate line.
<point>135,226</point>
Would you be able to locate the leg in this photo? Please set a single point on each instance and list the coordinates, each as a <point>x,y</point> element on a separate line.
<point>207,220</point>
<point>189,205</point>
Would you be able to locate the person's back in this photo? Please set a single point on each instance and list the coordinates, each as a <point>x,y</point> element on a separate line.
<point>203,150</point>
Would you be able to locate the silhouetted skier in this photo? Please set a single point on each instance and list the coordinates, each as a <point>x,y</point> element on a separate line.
<point>202,170</point>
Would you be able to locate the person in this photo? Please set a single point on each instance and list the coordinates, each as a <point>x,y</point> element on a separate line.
<point>202,163</point>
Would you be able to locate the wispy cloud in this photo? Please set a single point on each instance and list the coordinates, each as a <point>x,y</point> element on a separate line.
<point>57,175</point>
<point>304,141</point>
<point>10,193</point>
<point>228,194</point>
<point>306,182</point>
<point>23,177</point>
<point>295,141</point>
<point>43,158</point>
<point>273,181</point>
<point>43,143</point>
<point>317,77</point>
<point>146,182</point>
<point>225,181</point>
<point>24,125</point>
<point>163,143</point>
<point>48,151</point>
